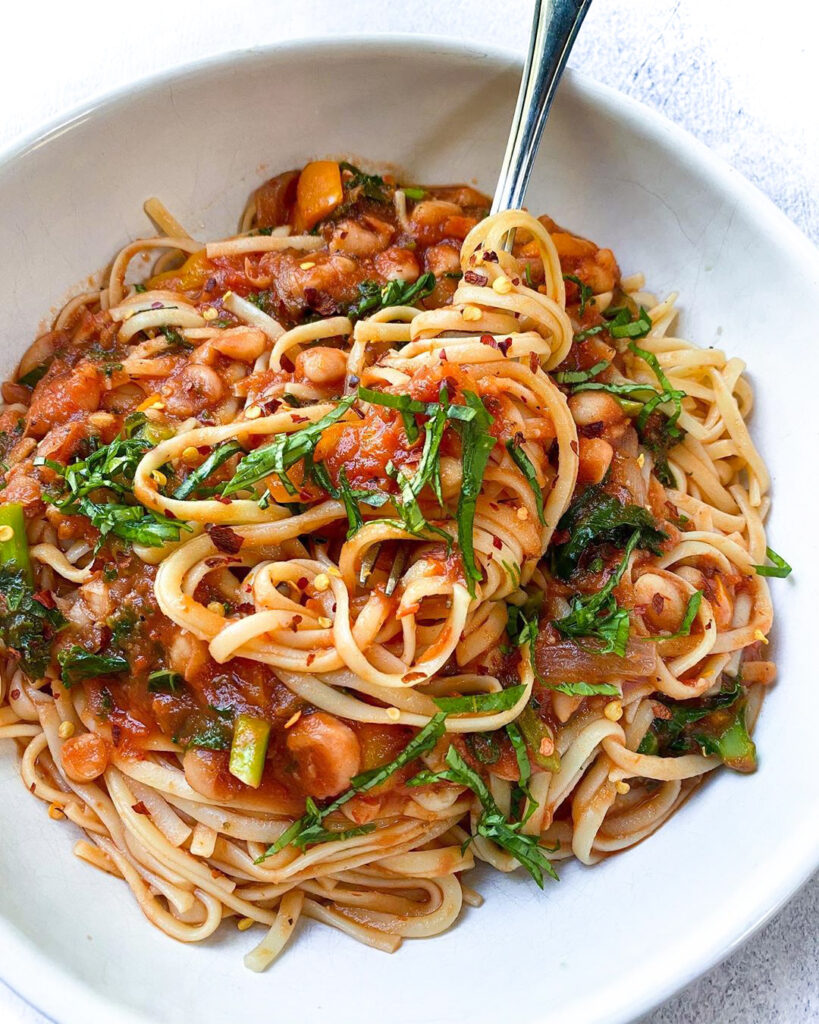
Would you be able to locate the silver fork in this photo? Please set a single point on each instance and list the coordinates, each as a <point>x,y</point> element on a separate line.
<point>555,24</point>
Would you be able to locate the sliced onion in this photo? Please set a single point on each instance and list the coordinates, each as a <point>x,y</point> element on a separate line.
<point>568,662</point>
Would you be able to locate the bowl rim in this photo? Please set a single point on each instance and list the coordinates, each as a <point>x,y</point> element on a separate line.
<point>24,962</point>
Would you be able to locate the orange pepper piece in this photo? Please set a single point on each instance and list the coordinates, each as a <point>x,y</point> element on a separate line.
<point>318,193</point>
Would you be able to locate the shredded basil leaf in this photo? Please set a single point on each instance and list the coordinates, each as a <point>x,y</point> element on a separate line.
<point>479,703</point>
<point>580,376</point>
<point>622,326</point>
<point>283,452</point>
<point>581,689</point>
<point>374,296</point>
<point>595,518</point>
<point>780,568</point>
<point>195,479</point>
<point>524,464</point>
<point>26,626</point>
<point>165,681</point>
<point>307,829</point>
<point>77,663</point>
<point>492,824</point>
<point>585,291</point>
<point>691,609</point>
<point>111,467</point>
<point>598,615</point>
<point>477,444</point>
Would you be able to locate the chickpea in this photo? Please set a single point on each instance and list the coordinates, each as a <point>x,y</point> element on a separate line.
<point>197,387</point>
<point>433,211</point>
<point>84,757</point>
<point>595,407</point>
<point>443,259</point>
<point>595,458</point>
<point>243,343</point>
<point>321,365</point>
<point>358,240</point>
<point>327,753</point>
<point>396,264</point>
<point>187,654</point>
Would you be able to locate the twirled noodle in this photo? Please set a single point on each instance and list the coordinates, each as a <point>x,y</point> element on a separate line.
<point>276,594</point>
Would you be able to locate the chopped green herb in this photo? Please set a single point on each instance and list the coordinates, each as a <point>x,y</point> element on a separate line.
<point>492,824</point>
<point>712,725</point>
<point>111,467</point>
<point>596,518</point>
<point>308,831</point>
<point>589,332</point>
<point>77,663</point>
<point>206,729</point>
<point>165,681</point>
<point>580,376</point>
<point>31,379</point>
<point>585,291</point>
<point>216,458</point>
<point>522,461</point>
<point>477,444</point>
<point>479,703</point>
<point>374,296</point>
<point>285,451</point>
<point>598,616</point>
<point>372,186</point>
<point>780,568</point>
<point>411,192</point>
<point>691,609</point>
<point>580,689</point>
<point>27,626</point>
<point>176,343</point>
<point>621,324</point>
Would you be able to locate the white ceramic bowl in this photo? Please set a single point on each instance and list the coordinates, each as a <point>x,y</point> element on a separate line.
<point>605,943</point>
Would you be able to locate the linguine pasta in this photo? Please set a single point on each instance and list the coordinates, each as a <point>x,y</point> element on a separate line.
<point>352,550</point>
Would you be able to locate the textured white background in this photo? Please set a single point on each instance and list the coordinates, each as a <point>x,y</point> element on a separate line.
<point>740,74</point>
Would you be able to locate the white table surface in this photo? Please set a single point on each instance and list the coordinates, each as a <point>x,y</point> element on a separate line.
<point>740,74</point>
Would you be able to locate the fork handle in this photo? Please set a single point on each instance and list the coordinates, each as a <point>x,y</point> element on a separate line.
<point>554,27</point>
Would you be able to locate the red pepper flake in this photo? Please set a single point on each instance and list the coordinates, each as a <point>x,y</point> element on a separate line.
<point>216,560</point>
<point>497,543</point>
<point>413,677</point>
<point>660,710</point>
<point>473,277</point>
<point>225,538</point>
<point>294,624</point>
<point>220,498</point>
<point>503,346</point>
<point>488,339</point>
<point>490,256</point>
<point>657,603</point>
<point>45,598</point>
<point>139,808</point>
<point>442,355</point>
<point>534,362</point>
<point>573,446</point>
<point>296,418</point>
<point>302,582</point>
<point>15,695</point>
<point>311,658</point>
